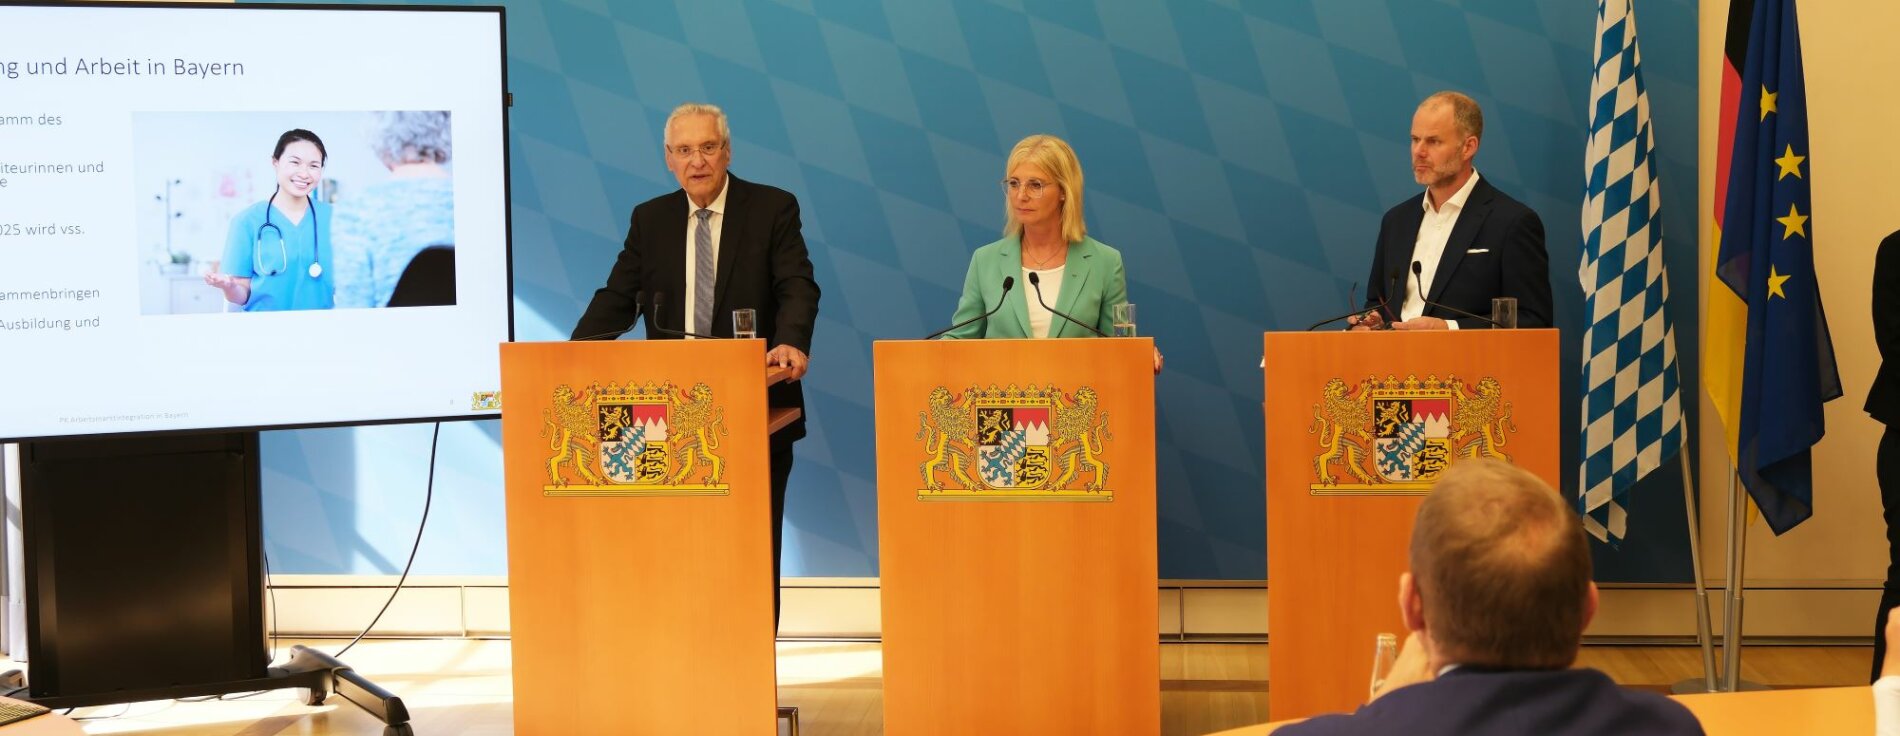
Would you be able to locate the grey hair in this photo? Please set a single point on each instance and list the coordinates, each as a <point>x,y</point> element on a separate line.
<point>410,137</point>
<point>1465,113</point>
<point>697,108</point>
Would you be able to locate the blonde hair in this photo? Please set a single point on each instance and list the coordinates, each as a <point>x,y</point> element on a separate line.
<point>1050,154</point>
<point>696,108</point>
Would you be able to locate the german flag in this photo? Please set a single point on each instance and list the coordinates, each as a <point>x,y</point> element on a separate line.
<point>1768,360</point>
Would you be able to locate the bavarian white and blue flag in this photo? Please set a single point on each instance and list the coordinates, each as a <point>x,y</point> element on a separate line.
<point>1632,414</point>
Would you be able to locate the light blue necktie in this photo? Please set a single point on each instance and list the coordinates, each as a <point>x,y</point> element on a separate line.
<point>703,276</point>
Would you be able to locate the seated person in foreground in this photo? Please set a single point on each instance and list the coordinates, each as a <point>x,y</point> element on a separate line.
<point>1497,600</point>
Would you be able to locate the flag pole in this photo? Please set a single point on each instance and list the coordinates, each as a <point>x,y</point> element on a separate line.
<point>1703,637</point>
<point>1732,625</point>
<point>1732,618</point>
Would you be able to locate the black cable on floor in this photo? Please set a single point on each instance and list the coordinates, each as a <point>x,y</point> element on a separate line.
<point>122,711</point>
<point>427,499</point>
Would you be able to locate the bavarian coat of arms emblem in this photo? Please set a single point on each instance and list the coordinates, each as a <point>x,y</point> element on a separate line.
<point>652,439</point>
<point>1024,444</point>
<point>1396,436</point>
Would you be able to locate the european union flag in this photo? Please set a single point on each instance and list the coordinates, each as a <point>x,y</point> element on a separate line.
<point>1765,256</point>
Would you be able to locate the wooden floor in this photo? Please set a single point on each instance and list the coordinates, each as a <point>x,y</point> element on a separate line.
<point>457,686</point>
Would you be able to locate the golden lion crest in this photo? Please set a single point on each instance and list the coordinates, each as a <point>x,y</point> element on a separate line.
<point>638,440</point>
<point>1034,443</point>
<point>1397,436</point>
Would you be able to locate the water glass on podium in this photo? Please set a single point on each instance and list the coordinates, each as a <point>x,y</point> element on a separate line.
<point>745,323</point>
<point>1122,316</point>
<point>1504,312</point>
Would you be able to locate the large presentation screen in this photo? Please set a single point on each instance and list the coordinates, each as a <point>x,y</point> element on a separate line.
<point>237,217</point>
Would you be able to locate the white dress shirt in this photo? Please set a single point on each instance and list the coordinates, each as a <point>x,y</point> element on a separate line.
<point>718,207</point>
<point>1433,232</point>
<point>1040,319</point>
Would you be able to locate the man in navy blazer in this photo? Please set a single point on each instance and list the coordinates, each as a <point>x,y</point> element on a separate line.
<point>717,244</point>
<point>1461,241</point>
<point>1497,599</point>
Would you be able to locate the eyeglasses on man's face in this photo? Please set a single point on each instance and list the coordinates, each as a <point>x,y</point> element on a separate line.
<point>684,152</point>
<point>1035,187</point>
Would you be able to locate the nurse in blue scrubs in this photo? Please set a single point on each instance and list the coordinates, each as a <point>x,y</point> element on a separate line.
<point>278,254</point>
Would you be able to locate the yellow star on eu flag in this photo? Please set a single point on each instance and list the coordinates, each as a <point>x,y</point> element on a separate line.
<point>1767,102</point>
<point>1795,223</point>
<point>1790,164</point>
<point>1775,280</point>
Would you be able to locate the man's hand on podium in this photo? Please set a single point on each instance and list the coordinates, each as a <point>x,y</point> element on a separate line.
<point>1371,320</point>
<point>786,356</point>
<point>1421,323</point>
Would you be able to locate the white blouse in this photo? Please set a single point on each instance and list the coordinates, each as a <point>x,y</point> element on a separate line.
<point>1040,318</point>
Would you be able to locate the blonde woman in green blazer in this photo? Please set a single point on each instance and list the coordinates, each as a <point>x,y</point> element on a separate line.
<point>1044,234</point>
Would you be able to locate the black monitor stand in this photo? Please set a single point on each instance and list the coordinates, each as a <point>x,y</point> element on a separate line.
<point>144,578</point>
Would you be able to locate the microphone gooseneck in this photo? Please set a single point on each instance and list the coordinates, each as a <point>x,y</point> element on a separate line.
<point>1009,282</point>
<point>653,321</point>
<point>639,303</point>
<point>1035,282</point>
<point>1360,312</point>
<point>1418,270</point>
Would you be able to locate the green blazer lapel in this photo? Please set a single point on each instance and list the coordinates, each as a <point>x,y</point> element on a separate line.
<point>1075,279</point>
<point>1014,319</point>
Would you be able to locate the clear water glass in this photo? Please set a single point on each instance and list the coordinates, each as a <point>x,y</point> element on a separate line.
<point>1504,312</point>
<point>1122,316</point>
<point>1385,654</point>
<point>745,323</point>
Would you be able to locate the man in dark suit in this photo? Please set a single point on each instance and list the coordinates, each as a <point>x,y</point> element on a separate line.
<point>1467,241</point>
<point>1883,404</point>
<point>1497,599</point>
<point>718,244</point>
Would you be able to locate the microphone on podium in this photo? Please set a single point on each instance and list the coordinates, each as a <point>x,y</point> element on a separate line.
<point>1358,312</point>
<point>653,321</point>
<point>1418,270</point>
<point>1035,282</point>
<point>639,299</point>
<point>1009,282</point>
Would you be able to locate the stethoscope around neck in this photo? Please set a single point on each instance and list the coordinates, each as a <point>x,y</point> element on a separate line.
<point>283,249</point>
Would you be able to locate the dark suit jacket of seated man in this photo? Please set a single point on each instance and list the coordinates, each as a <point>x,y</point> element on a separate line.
<point>1497,598</point>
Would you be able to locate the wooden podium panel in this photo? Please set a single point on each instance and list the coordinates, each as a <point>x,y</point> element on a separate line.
<point>1369,407</point>
<point>1018,597</point>
<point>640,589</point>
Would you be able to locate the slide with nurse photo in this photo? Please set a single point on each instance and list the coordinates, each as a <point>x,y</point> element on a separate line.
<point>205,223</point>
<point>321,210</point>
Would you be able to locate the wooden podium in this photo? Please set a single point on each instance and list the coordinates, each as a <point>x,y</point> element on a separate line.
<point>639,536</point>
<point>1357,426</point>
<point>1016,536</point>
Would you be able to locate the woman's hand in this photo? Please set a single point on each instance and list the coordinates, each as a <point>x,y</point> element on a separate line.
<point>237,289</point>
<point>1157,361</point>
